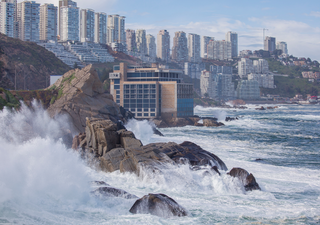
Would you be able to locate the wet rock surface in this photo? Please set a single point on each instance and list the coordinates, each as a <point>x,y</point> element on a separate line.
<point>112,192</point>
<point>159,205</point>
<point>248,180</point>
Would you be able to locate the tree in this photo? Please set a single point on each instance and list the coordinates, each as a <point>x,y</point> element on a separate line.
<point>206,95</point>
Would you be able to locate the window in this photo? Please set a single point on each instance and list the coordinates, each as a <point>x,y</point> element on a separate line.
<point>145,96</point>
<point>132,109</point>
<point>126,106</point>
<point>116,86</point>
<point>118,101</point>
<point>152,110</point>
<point>153,96</point>
<point>132,86</point>
<point>133,96</point>
<point>140,86</point>
<point>118,92</point>
<point>126,100</point>
<point>146,91</point>
<point>126,86</point>
<point>145,100</point>
<point>132,100</point>
<point>146,114</point>
<point>139,96</point>
<point>140,91</point>
<point>139,114</point>
<point>126,96</point>
<point>152,101</point>
<point>117,81</point>
<point>139,110</point>
<point>145,110</point>
<point>153,86</point>
<point>117,96</point>
<point>139,100</point>
<point>146,86</point>
<point>133,91</point>
<point>126,91</point>
<point>152,114</point>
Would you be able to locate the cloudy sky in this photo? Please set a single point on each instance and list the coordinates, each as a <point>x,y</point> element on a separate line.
<point>292,21</point>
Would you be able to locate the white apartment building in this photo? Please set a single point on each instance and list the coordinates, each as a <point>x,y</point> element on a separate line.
<point>28,20</point>
<point>245,66</point>
<point>282,46</point>
<point>207,84</point>
<point>87,25</point>
<point>7,12</point>
<point>225,86</point>
<point>151,46</point>
<point>141,41</point>
<point>116,30</point>
<point>48,22</point>
<point>163,45</point>
<point>260,66</point>
<point>219,50</point>
<point>194,48</point>
<point>68,21</point>
<point>100,28</point>
<point>204,45</point>
<point>180,47</point>
<point>131,40</point>
<point>233,38</point>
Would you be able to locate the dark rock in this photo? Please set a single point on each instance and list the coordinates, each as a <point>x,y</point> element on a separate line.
<point>211,122</point>
<point>230,118</point>
<point>248,180</point>
<point>112,192</point>
<point>159,205</point>
<point>156,131</point>
<point>261,108</point>
<point>258,159</point>
<point>215,169</point>
<point>100,183</point>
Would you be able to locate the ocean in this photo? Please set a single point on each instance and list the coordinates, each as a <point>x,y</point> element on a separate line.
<point>43,182</point>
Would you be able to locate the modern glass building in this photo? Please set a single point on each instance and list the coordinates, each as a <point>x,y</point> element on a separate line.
<point>48,22</point>
<point>28,18</point>
<point>151,92</point>
<point>87,25</point>
<point>7,11</point>
<point>100,28</point>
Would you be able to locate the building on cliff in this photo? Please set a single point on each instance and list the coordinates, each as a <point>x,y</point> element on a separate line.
<point>151,92</point>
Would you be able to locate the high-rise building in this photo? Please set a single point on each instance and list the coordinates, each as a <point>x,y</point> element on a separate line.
<point>141,42</point>
<point>68,21</point>
<point>208,86</point>
<point>282,46</point>
<point>194,48</point>
<point>87,25</point>
<point>116,29</point>
<point>219,50</point>
<point>204,45</point>
<point>270,44</point>
<point>260,66</point>
<point>248,89</point>
<point>163,45</point>
<point>131,40</point>
<point>100,28</point>
<point>245,67</point>
<point>48,22</point>
<point>180,47</point>
<point>151,46</point>
<point>7,12</point>
<point>233,38</point>
<point>28,19</point>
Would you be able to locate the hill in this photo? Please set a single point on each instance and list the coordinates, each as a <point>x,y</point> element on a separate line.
<point>31,63</point>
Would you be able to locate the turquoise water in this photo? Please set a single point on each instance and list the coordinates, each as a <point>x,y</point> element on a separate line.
<point>42,182</point>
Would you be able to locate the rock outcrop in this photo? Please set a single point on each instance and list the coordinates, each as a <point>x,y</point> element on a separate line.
<point>248,180</point>
<point>81,95</point>
<point>112,192</point>
<point>119,150</point>
<point>159,205</point>
<point>187,121</point>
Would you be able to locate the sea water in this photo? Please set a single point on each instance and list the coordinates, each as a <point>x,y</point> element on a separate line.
<point>43,182</point>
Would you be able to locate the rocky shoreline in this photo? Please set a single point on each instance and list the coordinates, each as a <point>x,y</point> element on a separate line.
<point>102,137</point>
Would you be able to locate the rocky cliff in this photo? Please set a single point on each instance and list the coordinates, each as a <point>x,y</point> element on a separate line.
<point>31,63</point>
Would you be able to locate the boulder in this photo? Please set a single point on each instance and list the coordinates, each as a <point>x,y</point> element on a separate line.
<point>248,180</point>
<point>261,108</point>
<point>159,205</point>
<point>211,122</point>
<point>81,95</point>
<point>112,192</point>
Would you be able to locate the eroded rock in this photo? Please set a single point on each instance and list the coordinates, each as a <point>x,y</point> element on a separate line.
<point>248,180</point>
<point>112,192</point>
<point>159,205</point>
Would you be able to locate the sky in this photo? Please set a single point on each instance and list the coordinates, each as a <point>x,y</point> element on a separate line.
<point>292,21</point>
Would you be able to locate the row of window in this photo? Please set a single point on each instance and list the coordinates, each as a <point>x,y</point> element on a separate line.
<point>144,110</point>
<point>127,106</point>
<point>144,114</point>
<point>139,86</point>
<point>145,91</point>
<point>140,96</point>
<point>139,101</point>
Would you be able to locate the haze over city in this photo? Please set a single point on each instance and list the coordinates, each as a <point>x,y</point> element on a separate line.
<point>289,21</point>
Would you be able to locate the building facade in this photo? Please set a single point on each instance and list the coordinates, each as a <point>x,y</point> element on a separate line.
<point>116,31</point>
<point>194,48</point>
<point>260,66</point>
<point>28,20</point>
<point>141,42</point>
<point>245,66</point>
<point>151,92</point>
<point>68,21</point>
<point>163,45</point>
<point>282,46</point>
<point>270,44</point>
<point>151,46</point>
<point>248,90</point>
<point>204,45</point>
<point>180,47</point>
<point>131,40</point>
<point>219,50</point>
<point>7,13</point>
<point>48,22</point>
<point>87,25</point>
<point>193,70</point>
<point>233,38</point>
<point>264,80</point>
<point>208,85</point>
<point>100,28</point>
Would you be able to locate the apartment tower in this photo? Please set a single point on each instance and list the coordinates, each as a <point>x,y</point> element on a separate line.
<point>180,47</point>
<point>194,48</point>
<point>141,41</point>
<point>7,12</point>
<point>205,40</point>
<point>100,28</point>
<point>87,25</point>
<point>233,38</point>
<point>163,45</point>
<point>151,46</point>
<point>28,19</point>
<point>68,21</point>
<point>48,22</point>
<point>270,44</point>
<point>282,46</point>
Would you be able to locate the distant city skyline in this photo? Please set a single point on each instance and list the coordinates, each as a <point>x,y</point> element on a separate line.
<point>292,22</point>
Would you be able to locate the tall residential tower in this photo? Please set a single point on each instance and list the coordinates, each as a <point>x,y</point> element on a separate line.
<point>180,47</point>
<point>233,38</point>
<point>48,22</point>
<point>163,45</point>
